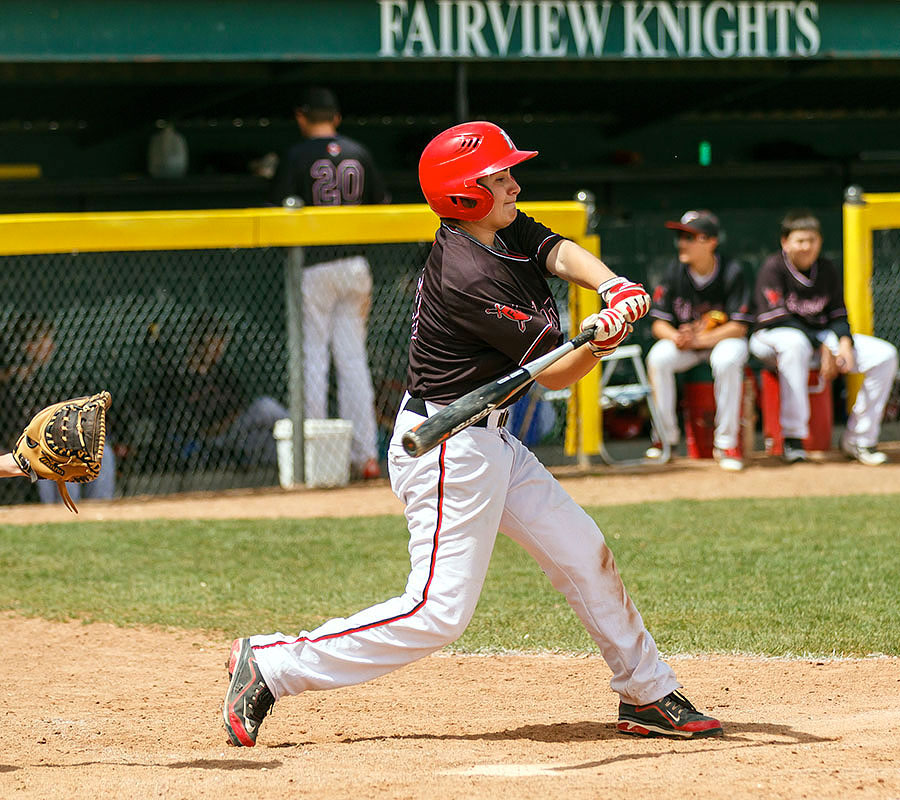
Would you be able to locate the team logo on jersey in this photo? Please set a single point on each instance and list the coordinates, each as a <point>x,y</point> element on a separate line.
<point>659,293</point>
<point>805,307</point>
<point>684,310</point>
<point>773,297</point>
<point>334,149</point>
<point>505,312</point>
<point>548,309</point>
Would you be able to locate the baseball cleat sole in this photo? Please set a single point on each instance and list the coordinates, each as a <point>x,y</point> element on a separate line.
<point>651,731</point>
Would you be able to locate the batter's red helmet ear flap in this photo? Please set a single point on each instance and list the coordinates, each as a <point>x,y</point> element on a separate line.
<point>454,160</point>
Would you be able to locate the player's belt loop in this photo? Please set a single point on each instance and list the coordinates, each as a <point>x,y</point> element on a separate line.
<point>496,419</point>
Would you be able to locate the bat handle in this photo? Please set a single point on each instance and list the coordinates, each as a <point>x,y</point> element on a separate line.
<point>587,335</point>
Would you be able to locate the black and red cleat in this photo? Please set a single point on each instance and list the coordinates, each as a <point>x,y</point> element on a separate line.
<point>248,699</point>
<point>673,716</point>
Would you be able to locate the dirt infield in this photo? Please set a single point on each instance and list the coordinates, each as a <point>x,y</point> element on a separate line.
<point>104,712</point>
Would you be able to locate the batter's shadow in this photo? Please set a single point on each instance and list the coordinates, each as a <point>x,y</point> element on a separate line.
<point>199,763</point>
<point>749,734</point>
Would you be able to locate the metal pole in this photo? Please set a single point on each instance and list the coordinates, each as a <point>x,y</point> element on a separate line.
<point>293,277</point>
<point>462,92</point>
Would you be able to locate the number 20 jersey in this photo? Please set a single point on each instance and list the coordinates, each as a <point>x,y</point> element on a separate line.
<point>328,171</point>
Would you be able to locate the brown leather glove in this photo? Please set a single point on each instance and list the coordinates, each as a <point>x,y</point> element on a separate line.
<point>64,442</point>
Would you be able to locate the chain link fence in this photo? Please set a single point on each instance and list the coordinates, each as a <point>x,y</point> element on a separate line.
<point>194,347</point>
<point>886,300</point>
<point>186,342</point>
<point>886,284</point>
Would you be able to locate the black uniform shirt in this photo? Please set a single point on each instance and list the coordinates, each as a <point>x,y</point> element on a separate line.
<point>812,301</point>
<point>679,298</point>
<point>328,171</point>
<point>480,311</point>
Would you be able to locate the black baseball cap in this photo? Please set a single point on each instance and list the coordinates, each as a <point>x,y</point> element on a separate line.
<point>695,222</point>
<point>317,98</point>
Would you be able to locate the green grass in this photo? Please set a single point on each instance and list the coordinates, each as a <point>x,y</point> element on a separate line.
<point>810,576</point>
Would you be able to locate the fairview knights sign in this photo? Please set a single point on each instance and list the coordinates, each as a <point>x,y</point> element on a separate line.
<point>557,29</point>
<point>457,30</point>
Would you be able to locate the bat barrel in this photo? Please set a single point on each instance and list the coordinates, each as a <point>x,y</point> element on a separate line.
<point>413,444</point>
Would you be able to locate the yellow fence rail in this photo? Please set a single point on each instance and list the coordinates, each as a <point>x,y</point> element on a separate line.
<point>253,227</point>
<point>863,215</point>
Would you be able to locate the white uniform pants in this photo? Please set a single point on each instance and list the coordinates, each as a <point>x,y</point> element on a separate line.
<point>457,497</point>
<point>336,300</point>
<point>726,359</point>
<point>791,352</point>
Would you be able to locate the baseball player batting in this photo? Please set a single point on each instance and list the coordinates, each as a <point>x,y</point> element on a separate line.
<point>483,308</point>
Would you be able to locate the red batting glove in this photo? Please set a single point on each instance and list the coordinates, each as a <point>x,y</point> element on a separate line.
<point>610,330</point>
<point>625,296</point>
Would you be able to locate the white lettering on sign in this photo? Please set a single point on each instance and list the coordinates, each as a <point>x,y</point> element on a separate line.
<point>671,25</point>
<point>556,29</point>
<point>782,14</point>
<point>638,41</point>
<point>472,17</point>
<point>528,48</point>
<point>551,42</point>
<point>752,27</point>
<point>446,18</point>
<point>391,26</point>
<point>501,24</point>
<point>588,29</point>
<point>719,42</point>
<point>419,37</point>
<point>808,27</point>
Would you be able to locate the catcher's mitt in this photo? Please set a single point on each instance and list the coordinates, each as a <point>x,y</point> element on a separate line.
<point>64,442</point>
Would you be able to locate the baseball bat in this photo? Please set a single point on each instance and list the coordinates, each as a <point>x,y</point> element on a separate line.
<point>480,402</point>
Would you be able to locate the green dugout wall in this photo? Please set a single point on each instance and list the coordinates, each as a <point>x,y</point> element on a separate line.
<point>745,107</point>
<point>634,100</point>
<point>368,30</point>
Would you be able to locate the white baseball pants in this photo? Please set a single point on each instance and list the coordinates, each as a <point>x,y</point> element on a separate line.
<point>726,359</point>
<point>457,497</point>
<point>336,300</point>
<point>791,352</point>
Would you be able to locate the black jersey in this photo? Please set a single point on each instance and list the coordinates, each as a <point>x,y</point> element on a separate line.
<point>481,311</point>
<point>328,171</point>
<point>812,301</point>
<point>681,298</point>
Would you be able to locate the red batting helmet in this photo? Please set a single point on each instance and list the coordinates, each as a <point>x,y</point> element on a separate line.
<point>454,160</point>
